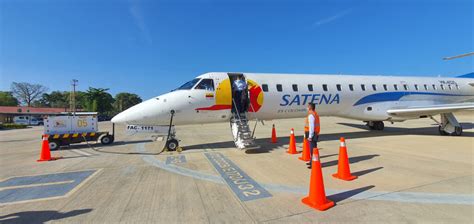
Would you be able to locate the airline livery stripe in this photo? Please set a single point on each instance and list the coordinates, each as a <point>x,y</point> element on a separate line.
<point>394,96</point>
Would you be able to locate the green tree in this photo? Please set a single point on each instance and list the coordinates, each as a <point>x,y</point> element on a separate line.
<point>124,101</point>
<point>98,100</point>
<point>27,93</point>
<point>60,99</point>
<point>7,99</point>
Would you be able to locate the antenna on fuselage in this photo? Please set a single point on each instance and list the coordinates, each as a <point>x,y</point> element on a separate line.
<point>459,56</point>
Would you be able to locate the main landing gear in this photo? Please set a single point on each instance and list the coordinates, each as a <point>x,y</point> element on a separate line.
<point>448,125</point>
<point>375,125</point>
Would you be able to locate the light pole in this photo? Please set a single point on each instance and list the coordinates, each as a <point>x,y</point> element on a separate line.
<point>73,96</point>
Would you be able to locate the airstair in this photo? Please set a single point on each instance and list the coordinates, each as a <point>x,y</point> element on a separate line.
<point>243,136</point>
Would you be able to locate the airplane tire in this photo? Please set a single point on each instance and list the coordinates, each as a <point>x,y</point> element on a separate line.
<point>107,139</point>
<point>457,131</point>
<point>442,132</point>
<point>378,125</point>
<point>54,145</point>
<point>172,144</point>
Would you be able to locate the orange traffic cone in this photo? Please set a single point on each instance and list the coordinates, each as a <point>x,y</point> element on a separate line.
<point>343,170</point>
<point>306,154</point>
<point>274,134</point>
<point>45,151</point>
<point>292,147</point>
<point>317,195</point>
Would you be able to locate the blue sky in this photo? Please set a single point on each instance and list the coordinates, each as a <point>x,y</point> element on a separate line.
<point>151,47</point>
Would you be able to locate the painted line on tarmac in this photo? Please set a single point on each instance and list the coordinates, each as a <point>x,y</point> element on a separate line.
<point>80,152</point>
<point>243,186</point>
<point>410,197</point>
<point>23,189</point>
<point>176,169</point>
<point>175,159</point>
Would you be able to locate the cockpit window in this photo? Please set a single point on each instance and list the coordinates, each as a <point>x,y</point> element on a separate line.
<point>206,84</point>
<point>189,85</point>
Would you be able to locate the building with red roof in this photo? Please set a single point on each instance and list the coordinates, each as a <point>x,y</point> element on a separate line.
<point>8,112</point>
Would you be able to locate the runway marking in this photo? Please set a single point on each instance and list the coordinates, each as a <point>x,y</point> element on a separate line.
<point>78,151</point>
<point>35,185</point>
<point>175,159</point>
<point>49,186</point>
<point>409,197</point>
<point>243,186</point>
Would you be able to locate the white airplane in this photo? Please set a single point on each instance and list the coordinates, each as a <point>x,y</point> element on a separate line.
<point>372,99</point>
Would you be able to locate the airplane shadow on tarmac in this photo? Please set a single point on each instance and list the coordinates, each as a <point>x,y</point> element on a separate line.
<point>103,148</point>
<point>266,146</point>
<point>38,217</point>
<point>392,131</point>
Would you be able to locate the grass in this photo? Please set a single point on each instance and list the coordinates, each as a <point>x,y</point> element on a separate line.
<point>12,126</point>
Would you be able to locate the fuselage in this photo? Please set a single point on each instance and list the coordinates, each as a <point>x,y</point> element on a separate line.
<point>277,96</point>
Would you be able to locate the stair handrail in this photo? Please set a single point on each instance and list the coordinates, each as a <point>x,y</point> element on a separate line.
<point>256,119</point>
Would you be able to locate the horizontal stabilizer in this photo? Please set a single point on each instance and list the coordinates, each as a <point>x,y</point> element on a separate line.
<point>430,110</point>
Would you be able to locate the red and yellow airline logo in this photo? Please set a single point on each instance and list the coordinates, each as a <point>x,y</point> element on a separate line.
<point>223,96</point>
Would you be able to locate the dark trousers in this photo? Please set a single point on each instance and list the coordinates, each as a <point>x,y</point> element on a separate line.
<point>313,144</point>
<point>238,101</point>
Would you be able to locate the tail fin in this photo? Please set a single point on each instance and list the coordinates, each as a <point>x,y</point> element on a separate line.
<point>469,75</point>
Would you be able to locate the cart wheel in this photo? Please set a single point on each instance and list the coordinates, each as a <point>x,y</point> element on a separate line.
<point>107,139</point>
<point>172,144</point>
<point>54,145</point>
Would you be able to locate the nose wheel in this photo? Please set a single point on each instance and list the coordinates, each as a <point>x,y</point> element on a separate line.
<point>172,144</point>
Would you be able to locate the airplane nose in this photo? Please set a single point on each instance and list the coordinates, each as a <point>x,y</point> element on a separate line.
<point>119,118</point>
<point>138,114</point>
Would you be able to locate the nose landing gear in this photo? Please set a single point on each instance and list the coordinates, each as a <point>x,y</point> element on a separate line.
<point>172,144</point>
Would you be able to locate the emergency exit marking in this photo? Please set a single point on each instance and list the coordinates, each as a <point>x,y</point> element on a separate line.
<point>242,185</point>
<point>175,159</point>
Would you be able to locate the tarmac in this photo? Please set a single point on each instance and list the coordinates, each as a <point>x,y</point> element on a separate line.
<point>407,173</point>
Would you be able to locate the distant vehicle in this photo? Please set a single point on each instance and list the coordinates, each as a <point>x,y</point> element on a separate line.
<point>103,118</point>
<point>373,99</point>
<point>28,120</point>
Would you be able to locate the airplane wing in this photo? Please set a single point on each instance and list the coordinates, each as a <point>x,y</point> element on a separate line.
<point>430,110</point>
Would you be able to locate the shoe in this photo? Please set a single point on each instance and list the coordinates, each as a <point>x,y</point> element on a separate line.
<point>308,163</point>
<point>309,167</point>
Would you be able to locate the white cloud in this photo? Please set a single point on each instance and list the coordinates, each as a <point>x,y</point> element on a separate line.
<point>331,18</point>
<point>137,15</point>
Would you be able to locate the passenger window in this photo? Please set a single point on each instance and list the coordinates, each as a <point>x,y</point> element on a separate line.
<point>416,87</point>
<point>374,87</point>
<point>351,87</point>
<point>338,86</point>
<point>362,87</point>
<point>325,87</point>
<point>395,87</point>
<point>434,87</point>
<point>206,84</point>
<point>295,87</point>
<point>385,87</point>
<point>449,87</point>
<point>426,87</point>
<point>279,88</point>
<point>265,87</point>
<point>405,86</point>
<point>310,87</point>
<point>442,87</point>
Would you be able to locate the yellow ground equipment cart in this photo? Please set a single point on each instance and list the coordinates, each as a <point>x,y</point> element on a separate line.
<point>70,129</point>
